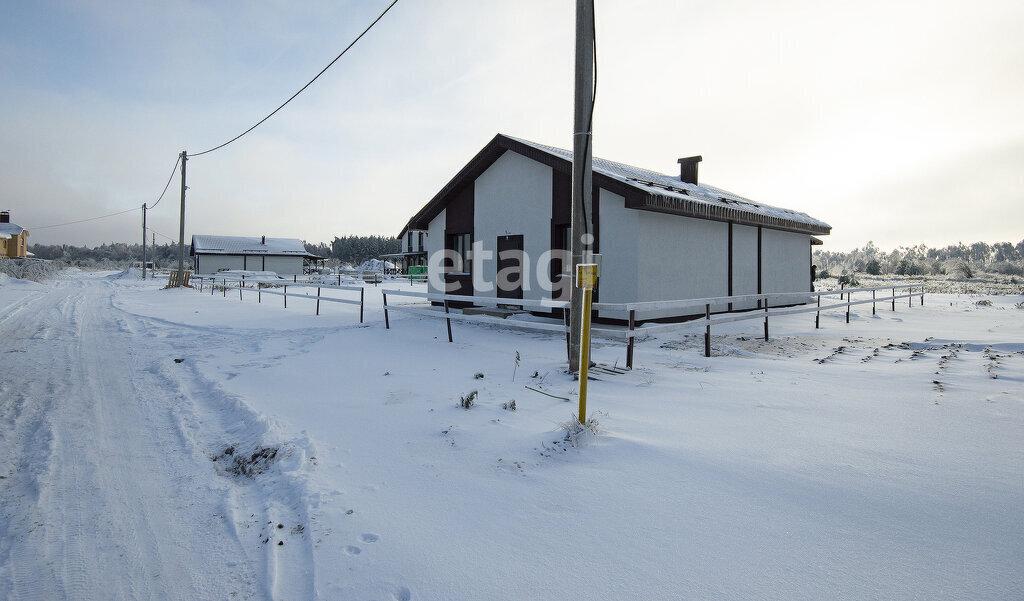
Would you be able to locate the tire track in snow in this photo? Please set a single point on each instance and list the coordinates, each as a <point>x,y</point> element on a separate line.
<point>256,505</point>
<point>102,501</point>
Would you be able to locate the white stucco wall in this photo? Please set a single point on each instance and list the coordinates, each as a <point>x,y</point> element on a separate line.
<point>786,261</point>
<point>681,257</point>
<point>512,197</point>
<point>214,263</point>
<point>744,263</point>
<point>619,252</point>
<point>434,243</point>
<point>283,265</point>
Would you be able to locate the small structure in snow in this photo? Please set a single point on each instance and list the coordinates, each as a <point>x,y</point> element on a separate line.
<point>286,256</point>
<point>13,238</point>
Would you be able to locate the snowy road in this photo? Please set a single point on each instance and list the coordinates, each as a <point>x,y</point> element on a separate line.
<point>104,494</point>
<point>876,459</point>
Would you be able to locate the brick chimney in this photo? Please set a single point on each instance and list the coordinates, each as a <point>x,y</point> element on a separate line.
<point>688,169</point>
<point>5,217</point>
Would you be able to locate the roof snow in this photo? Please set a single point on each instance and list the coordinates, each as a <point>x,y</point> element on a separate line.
<point>672,188</point>
<point>247,245</point>
<point>8,230</point>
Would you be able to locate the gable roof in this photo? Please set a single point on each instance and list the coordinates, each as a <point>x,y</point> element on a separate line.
<point>8,230</point>
<point>247,245</point>
<point>642,188</point>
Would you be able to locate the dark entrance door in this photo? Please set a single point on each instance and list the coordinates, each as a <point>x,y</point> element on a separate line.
<point>510,266</point>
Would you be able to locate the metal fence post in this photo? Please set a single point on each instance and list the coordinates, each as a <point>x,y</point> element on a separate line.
<point>766,319</point>
<point>568,335</point>
<point>387,324</point>
<point>360,303</point>
<point>817,315</point>
<point>259,292</point>
<point>910,297</point>
<point>632,337</point>
<point>286,296</point>
<point>448,319</point>
<point>225,283</point>
<point>318,300</point>
<point>894,299</point>
<point>707,330</point>
<point>849,297</point>
<point>872,301</point>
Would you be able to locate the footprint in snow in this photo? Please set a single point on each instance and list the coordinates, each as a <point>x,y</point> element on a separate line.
<point>370,538</point>
<point>353,550</point>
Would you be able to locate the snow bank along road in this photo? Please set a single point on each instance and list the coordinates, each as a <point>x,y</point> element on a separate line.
<point>880,459</point>
<point>106,489</point>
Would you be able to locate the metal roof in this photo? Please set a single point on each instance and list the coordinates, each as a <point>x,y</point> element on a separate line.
<point>643,189</point>
<point>247,245</point>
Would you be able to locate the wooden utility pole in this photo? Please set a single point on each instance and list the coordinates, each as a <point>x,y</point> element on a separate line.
<point>582,232</point>
<point>181,226</point>
<point>143,240</point>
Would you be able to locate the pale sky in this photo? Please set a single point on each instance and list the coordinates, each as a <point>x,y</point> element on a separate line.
<point>895,122</point>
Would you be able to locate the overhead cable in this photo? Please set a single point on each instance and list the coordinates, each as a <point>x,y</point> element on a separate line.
<point>260,122</point>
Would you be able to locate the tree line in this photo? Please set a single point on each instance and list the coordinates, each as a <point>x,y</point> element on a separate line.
<point>352,250</point>
<point>961,260</point>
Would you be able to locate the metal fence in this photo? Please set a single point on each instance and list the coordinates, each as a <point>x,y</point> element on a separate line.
<point>766,306</point>
<point>271,287</point>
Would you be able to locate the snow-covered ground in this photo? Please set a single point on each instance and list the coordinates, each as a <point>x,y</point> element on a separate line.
<point>166,444</point>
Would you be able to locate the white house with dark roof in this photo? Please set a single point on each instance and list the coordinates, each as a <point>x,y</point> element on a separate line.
<point>284,256</point>
<point>660,237</point>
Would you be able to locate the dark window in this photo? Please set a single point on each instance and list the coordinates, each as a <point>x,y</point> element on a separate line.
<point>463,247</point>
<point>409,249</point>
<point>421,248</point>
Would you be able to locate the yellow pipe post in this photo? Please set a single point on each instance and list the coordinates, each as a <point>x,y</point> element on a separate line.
<point>586,277</point>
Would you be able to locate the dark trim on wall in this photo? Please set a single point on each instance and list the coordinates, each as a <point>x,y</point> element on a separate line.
<point>730,264</point>
<point>458,219</point>
<point>595,194</point>
<point>759,256</point>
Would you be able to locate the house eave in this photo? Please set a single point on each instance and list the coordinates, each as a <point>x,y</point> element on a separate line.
<point>673,205</point>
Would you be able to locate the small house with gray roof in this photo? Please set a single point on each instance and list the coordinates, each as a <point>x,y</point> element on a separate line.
<point>283,256</point>
<point>660,237</point>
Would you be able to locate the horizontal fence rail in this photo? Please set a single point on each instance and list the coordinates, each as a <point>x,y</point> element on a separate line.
<point>767,306</point>
<point>261,286</point>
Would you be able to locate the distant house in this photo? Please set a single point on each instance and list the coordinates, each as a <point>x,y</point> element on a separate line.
<point>660,237</point>
<point>414,250</point>
<point>13,238</point>
<point>284,256</point>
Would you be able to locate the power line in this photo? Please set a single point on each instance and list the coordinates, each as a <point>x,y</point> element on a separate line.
<point>163,235</point>
<point>173,171</point>
<point>590,119</point>
<point>260,122</point>
<point>84,220</point>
